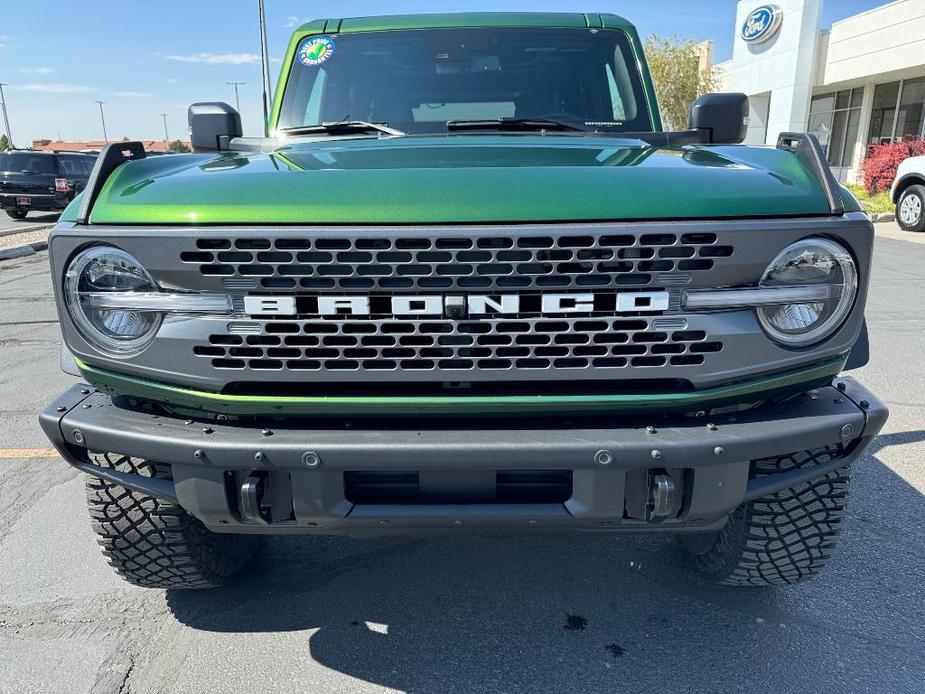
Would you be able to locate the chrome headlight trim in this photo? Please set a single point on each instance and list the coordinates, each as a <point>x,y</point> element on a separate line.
<point>827,255</point>
<point>118,307</point>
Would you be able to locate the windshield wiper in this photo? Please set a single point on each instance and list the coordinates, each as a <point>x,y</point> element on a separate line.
<point>346,126</point>
<point>513,124</point>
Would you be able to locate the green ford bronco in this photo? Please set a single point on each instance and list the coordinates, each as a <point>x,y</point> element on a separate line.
<point>465,283</point>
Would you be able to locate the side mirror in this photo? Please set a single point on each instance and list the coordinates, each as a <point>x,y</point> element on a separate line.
<point>213,124</point>
<point>722,116</point>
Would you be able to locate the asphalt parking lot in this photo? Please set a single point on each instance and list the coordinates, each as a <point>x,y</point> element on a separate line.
<point>463,614</point>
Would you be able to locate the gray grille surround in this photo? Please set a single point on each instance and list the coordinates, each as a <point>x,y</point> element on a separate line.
<point>738,348</point>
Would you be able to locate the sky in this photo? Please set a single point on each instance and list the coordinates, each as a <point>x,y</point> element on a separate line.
<point>144,59</point>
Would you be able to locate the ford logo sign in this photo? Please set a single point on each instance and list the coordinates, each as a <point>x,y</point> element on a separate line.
<point>762,23</point>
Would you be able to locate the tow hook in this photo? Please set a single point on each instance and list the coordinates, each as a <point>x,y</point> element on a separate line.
<point>252,497</point>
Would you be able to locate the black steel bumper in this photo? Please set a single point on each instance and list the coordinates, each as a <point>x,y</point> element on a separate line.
<point>603,460</point>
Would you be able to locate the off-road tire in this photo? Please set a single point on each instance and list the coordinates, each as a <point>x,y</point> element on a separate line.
<point>16,214</point>
<point>782,538</point>
<point>155,543</point>
<point>915,191</point>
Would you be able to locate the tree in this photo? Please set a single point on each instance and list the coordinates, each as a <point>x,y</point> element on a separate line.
<point>4,143</point>
<point>178,146</point>
<point>680,76</point>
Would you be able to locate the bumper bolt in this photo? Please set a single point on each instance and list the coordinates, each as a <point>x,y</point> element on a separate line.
<point>841,386</point>
<point>656,454</point>
<point>266,432</point>
<point>207,430</point>
<point>651,430</point>
<point>259,456</point>
<point>61,408</point>
<point>84,391</point>
<point>603,457</point>
<point>310,459</point>
<point>198,454</point>
<point>86,407</point>
<point>77,435</point>
<point>712,427</point>
<point>188,422</point>
<point>864,404</point>
<point>847,431</point>
<point>719,450</point>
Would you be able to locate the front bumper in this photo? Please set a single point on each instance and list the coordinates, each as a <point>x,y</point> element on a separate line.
<point>603,459</point>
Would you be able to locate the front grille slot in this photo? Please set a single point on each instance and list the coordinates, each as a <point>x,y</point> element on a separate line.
<point>415,263</point>
<point>459,487</point>
<point>510,344</point>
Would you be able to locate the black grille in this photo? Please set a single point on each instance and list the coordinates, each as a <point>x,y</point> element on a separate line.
<point>459,262</point>
<point>522,344</point>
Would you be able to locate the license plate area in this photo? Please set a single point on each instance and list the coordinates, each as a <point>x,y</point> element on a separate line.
<point>459,487</point>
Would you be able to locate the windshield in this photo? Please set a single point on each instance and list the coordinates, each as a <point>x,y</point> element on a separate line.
<point>418,80</point>
<point>33,163</point>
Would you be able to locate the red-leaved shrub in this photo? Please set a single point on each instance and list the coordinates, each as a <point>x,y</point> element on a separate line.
<point>883,160</point>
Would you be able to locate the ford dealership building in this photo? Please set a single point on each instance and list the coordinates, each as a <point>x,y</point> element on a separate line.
<point>859,83</point>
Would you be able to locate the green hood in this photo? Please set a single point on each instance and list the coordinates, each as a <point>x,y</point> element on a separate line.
<point>460,178</point>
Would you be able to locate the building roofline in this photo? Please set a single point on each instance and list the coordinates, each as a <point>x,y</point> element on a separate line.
<point>870,11</point>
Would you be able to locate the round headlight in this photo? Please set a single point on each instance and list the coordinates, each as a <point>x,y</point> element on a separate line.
<point>103,269</point>
<point>810,262</point>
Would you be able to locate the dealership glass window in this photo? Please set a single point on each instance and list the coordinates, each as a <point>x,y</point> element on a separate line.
<point>898,111</point>
<point>883,113</point>
<point>834,119</point>
<point>909,116</point>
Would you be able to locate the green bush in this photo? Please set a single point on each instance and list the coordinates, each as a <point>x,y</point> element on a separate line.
<point>871,202</point>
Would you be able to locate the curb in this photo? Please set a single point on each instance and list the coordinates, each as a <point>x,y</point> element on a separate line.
<point>883,217</point>
<point>23,230</point>
<point>23,251</point>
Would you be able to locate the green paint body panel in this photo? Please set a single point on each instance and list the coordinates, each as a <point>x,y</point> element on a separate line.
<point>390,406</point>
<point>461,179</point>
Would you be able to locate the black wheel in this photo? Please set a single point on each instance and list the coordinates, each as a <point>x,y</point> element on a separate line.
<point>16,213</point>
<point>779,539</point>
<point>155,543</point>
<point>910,209</point>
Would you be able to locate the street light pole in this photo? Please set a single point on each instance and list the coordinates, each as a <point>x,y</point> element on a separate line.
<point>6,118</point>
<point>103,118</point>
<point>166,136</point>
<point>264,67</point>
<point>237,101</point>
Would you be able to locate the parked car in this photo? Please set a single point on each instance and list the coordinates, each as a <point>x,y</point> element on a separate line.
<point>33,181</point>
<point>500,299</point>
<point>908,193</point>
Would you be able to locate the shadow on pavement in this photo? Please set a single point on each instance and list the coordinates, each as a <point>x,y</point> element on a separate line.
<point>594,613</point>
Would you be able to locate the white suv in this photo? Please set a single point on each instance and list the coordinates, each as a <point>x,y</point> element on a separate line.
<point>908,192</point>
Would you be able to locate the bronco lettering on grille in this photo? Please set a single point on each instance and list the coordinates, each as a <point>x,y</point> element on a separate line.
<point>458,306</point>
